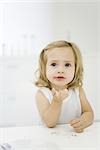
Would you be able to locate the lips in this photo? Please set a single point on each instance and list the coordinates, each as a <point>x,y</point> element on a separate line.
<point>59,77</point>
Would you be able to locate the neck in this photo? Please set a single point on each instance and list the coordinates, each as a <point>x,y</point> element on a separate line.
<point>58,87</point>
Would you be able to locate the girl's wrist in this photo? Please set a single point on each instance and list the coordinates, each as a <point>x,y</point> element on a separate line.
<point>57,100</point>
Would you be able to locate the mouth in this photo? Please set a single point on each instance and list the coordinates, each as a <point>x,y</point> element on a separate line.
<point>59,78</point>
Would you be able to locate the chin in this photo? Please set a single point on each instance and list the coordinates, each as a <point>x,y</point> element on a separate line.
<point>60,85</point>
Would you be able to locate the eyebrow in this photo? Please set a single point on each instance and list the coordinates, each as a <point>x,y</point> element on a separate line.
<point>58,61</point>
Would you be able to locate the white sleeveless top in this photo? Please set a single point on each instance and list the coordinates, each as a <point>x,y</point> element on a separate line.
<point>71,106</point>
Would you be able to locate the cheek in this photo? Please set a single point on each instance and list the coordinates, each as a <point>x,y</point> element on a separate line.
<point>49,72</point>
<point>70,75</point>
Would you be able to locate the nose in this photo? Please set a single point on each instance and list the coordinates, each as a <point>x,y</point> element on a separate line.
<point>60,72</point>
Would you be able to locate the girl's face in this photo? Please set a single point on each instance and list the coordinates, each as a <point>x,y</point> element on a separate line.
<point>60,67</point>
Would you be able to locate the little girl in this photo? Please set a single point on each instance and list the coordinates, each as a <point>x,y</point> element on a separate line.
<point>60,97</point>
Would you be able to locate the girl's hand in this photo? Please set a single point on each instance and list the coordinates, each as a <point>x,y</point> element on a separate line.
<point>81,123</point>
<point>61,94</point>
<point>78,125</point>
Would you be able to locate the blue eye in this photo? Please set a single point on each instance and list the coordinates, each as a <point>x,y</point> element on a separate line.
<point>67,65</point>
<point>53,64</point>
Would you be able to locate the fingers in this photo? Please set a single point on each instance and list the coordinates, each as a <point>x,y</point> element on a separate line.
<point>55,92</point>
<point>77,125</point>
<point>72,122</point>
<point>62,94</point>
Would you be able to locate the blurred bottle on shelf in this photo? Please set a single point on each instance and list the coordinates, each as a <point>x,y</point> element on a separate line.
<point>25,45</point>
<point>12,51</point>
<point>3,49</point>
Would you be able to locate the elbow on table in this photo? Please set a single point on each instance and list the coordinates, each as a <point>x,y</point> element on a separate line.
<point>48,122</point>
<point>50,125</point>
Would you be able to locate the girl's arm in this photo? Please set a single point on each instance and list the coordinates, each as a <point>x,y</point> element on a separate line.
<point>50,112</point>
<point>87,116</point>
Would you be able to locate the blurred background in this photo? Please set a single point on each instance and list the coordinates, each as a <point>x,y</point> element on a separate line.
<point>26,28</point>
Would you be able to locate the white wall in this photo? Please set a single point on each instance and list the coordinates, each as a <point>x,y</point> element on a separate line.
<point>25,29</point>
<point>24,24</point>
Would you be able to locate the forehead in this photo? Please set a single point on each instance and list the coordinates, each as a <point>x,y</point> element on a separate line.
<point>62,53</point>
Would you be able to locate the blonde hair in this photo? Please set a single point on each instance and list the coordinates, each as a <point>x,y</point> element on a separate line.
<point>78,76</point>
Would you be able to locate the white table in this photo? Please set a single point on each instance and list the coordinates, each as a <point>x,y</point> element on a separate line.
<point>42,138</point>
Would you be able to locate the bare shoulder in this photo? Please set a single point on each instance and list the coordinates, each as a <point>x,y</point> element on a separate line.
<point>40,96</point>
<point>41,101</point>
<point>82,93</point>
<point>84,100</point>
